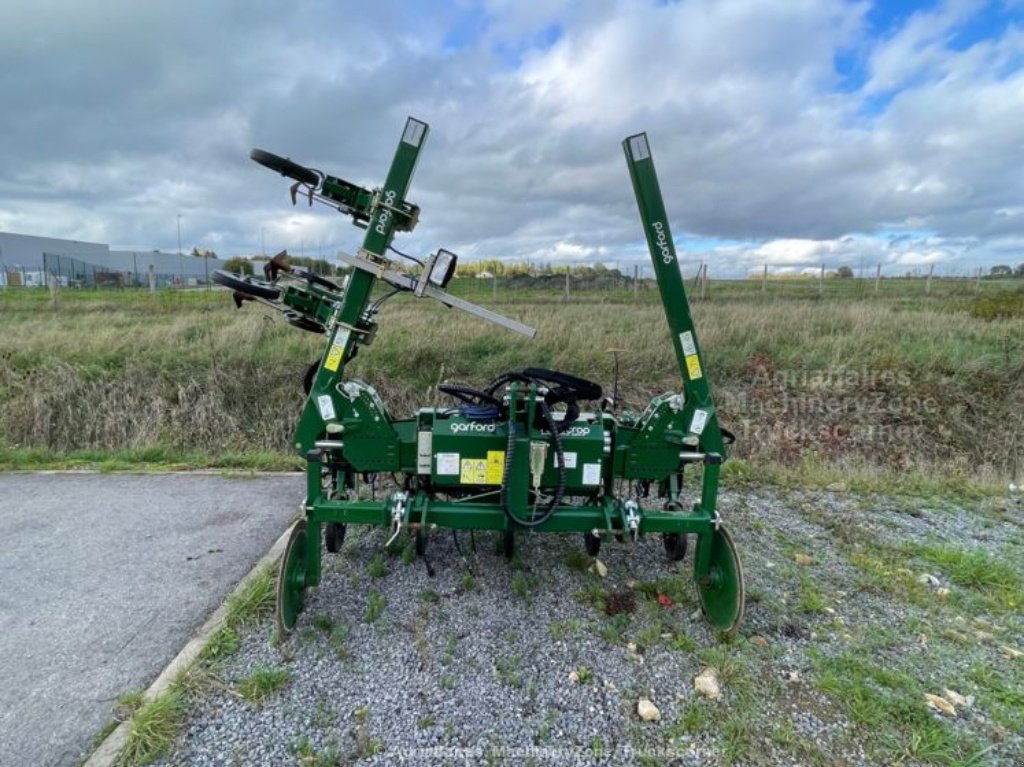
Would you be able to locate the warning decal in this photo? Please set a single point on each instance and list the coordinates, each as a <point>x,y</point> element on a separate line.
<point>495,466</point>
<point>474,471</point>
<point>483,471</point>
<point>693,371</point>
<point>337,350</point>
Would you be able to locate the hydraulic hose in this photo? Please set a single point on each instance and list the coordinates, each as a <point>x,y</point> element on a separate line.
<point>560,460</point>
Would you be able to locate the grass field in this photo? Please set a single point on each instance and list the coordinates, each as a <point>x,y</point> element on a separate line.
<point>898,387</point>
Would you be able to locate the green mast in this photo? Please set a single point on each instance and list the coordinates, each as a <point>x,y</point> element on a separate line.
<point>703,420</point>
<point>389,213</point>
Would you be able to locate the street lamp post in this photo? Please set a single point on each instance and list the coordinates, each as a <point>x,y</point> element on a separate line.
<point>181,263</point>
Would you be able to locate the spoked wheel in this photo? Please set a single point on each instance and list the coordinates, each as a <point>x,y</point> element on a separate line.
<point>334,536</point>
<point>592,544</point>
<point>247,285</point>
<point>675,546</point>
<point>721,593</point>
<point>291,581</point>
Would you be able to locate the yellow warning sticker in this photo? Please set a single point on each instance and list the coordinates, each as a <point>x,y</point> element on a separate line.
<point>474,471</point>
<point>483,471</point>
<point>495,466</point>
<point>334,357</point>
<point>693,367</point>
<point>337,349</point>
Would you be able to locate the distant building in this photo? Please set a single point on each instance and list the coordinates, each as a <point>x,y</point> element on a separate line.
<point>25,261</point>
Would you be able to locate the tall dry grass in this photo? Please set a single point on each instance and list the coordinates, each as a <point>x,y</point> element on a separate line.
<point>893,384</point>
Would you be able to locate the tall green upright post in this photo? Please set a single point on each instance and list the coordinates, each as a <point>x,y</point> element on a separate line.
<point>716,564</point>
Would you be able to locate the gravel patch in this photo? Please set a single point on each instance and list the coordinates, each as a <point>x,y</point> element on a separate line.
<point>473,665</point>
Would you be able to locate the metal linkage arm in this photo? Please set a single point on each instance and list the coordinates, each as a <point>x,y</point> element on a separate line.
<point>400,280</point>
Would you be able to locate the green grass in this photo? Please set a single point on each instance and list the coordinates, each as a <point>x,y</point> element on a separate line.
<point>153,729</point>
<point>375,604</point>
<point>378,567</point>
<point>885,701</point>
<point>253,602</point>
<point>262,683</point>
<point>976,569</point>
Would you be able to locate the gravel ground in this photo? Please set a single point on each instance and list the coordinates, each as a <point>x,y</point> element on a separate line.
<point>473,665</point>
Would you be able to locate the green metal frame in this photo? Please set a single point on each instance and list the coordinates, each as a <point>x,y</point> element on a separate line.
<point>495,469</point>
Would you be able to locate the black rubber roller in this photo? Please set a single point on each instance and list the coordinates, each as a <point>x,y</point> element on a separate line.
<point>285,167</point>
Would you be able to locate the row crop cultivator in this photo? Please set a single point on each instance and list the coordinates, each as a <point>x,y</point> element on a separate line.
<point>518,454</point>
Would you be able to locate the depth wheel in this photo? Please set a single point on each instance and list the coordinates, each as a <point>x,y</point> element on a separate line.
<point>592,544</point>
<point>334,536</point>
<point>675,546</point>
<point>247,285</point>
<point>508,544</point>
<point>291,581</point>
<point>721,593</point>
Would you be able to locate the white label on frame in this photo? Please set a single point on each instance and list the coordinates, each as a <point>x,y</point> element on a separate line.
<point>325,406</point>
<point>448,463</point>
<point>689,347</point>
<point>591,474</point>
<point>700,420</point>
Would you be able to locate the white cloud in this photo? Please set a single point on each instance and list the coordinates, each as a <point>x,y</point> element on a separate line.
<point>117,120</point>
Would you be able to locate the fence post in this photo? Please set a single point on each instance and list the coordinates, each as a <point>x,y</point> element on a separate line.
<point>494,286</point>
<point>152,279</point>
<point>51,279</point>
<point>702,271</point>
<point>567,269</point>
<point>636,281</point>
<point>821,281</point>
<point>764,280</point>
<point>878,277</point>
<point>928,282</point>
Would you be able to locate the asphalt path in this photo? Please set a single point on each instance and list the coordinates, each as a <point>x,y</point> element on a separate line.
<point>103,579</point>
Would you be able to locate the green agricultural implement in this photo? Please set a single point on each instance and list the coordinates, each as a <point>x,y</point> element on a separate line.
<point>518,454</point>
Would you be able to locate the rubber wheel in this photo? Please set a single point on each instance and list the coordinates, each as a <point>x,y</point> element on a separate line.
<point>508,544</point>
<point>247,285</point>
<point>592,544</point>
<point>314,278</point>
<point>722,593</point>
<point>334,536</point>
<point>309,377</point>
<point>285,167</point>
<point>291,581</point>
<point>675,546</point>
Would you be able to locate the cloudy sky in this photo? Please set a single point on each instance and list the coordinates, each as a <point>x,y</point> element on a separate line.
<point>787,132</point>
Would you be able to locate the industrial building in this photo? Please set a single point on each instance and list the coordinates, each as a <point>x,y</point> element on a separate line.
<point>26,260</point>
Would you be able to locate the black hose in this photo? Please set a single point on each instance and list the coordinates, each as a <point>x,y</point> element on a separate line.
<point>559,488</point>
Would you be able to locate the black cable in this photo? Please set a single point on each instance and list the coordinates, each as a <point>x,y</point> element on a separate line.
<point>377,304</point>
<point>404,255</point>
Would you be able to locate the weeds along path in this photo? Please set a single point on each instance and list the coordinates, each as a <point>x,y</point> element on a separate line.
<point>892,385</point>
<point>859,607</point>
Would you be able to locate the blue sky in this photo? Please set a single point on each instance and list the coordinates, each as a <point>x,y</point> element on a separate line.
<point>787,133</point>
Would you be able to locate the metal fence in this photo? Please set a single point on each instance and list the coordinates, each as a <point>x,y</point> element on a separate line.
<point>68,272</point>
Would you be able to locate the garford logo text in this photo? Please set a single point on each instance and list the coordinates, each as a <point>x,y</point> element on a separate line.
<point>662,243</point>
<point>457,428</point>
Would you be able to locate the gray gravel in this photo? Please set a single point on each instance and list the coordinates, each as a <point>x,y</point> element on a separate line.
<point>455,672</point>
